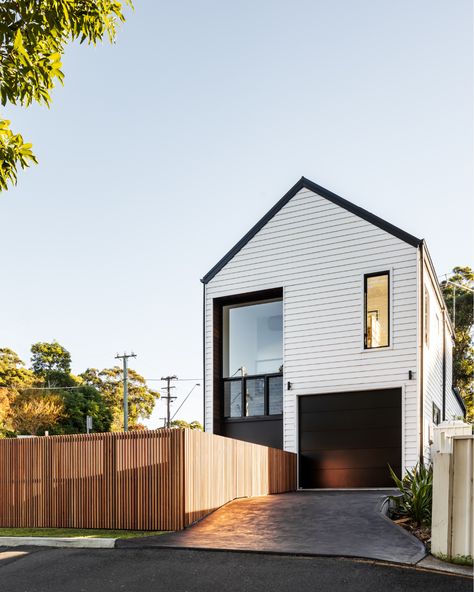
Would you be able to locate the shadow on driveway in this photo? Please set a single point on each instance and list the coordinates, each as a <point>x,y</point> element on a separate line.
<point>325,523</point>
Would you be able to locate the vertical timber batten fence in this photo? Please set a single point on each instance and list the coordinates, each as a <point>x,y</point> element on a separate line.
<point>152,480</point>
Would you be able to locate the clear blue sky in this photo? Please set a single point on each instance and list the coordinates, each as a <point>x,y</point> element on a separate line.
<point>161,151</point>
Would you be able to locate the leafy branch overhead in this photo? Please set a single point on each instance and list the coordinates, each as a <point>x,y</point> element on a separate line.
<point>33,37</point>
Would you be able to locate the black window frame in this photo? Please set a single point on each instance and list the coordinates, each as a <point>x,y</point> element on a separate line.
<point>389,308</point>
<point>243,380</point>
<point>436,414</point>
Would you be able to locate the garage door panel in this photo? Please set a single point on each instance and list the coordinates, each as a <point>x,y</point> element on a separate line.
<point>353,459</point>
<point>349,439</point>
<point>332,439</point>
<point>361,418</point>
<point>351,400</point>
<point>371,477</point>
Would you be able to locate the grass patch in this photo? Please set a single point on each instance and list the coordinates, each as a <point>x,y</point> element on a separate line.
<point>77,533</point>
<point>457,559</point>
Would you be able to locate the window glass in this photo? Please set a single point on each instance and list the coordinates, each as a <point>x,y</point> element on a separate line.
<point>275,395</point>
<point>254,396</point>
<point>233,398</point>
<point>436,414</point>
<point>253,338</point>
<point>377,310</point>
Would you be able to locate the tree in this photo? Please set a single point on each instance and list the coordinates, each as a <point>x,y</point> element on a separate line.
<point>460,303</point>
<point>52,363</point>
<point>78,404</point>
<point>109,382</point>
<point>33,37</point>
<point>13,373</point>
<point>14,377</point>
<point>5,410</point>
<point>180,423</point>
<point>34,412</point>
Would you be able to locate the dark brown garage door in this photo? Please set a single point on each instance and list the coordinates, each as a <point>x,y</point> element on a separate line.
<point>348,439</point>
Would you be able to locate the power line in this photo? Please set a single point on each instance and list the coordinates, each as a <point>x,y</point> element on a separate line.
<point>187,396</point>
<point>44,388</point>
<point>177,379</point>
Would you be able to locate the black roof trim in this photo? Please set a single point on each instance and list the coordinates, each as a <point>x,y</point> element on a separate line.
<point>304,183</point>
<point>460,399</point>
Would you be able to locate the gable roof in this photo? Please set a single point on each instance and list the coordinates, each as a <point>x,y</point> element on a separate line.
<point>304,183</point>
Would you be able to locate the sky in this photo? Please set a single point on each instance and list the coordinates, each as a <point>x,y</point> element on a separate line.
<point>162,150</point>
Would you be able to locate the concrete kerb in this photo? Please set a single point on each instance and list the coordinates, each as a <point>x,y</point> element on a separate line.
<point>429,562</point>
<point>63,542</point>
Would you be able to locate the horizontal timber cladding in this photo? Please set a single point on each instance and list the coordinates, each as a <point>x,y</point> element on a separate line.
<point>349,439</point>
<point>148,480</point>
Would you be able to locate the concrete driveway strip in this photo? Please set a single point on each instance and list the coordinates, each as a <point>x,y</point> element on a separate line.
<point>320,523</point>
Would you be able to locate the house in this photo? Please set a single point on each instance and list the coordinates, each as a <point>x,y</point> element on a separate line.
<point>326,334</point>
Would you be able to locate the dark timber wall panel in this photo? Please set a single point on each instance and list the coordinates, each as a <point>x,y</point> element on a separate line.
<point>349,439</point>
<point>267,432</point>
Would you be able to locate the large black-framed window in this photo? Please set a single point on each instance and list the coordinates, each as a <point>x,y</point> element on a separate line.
<point>252,358</point>
<point>377,310</point>
<point>253,396</point>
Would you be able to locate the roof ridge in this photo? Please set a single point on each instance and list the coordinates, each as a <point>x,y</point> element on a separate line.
<point>304,183</point>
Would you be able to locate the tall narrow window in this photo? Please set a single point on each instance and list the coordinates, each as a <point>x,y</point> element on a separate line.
<point>427,317</point>
<point>377,310</point>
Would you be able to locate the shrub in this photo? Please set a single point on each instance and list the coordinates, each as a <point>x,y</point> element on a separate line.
<point>416,489</point>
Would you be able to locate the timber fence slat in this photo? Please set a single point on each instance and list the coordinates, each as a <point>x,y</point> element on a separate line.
<point>150,480</point>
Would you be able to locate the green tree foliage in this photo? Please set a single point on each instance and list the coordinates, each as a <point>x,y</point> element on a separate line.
<point>109,382</point>
<point>78,403</point>
<point>52,363</point>
<point>33,37</point>
<point>28,406</point>
<point>13,373</point>
<point>462,315</point>
<point>180,423</point>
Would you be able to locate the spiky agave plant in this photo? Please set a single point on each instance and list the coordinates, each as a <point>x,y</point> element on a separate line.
<point>416,488</point>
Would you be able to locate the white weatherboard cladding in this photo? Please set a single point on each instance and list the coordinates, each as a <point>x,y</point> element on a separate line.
<point>318,253</point>
<point>433,365</point>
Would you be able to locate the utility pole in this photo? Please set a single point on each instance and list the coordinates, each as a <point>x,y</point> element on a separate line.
<point>125,357</point>
<point>168,398</point>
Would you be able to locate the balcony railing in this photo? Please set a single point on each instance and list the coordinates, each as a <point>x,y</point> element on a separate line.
<point>259,395</point>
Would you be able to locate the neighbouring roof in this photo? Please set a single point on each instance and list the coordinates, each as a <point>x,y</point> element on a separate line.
<point>304,183</point>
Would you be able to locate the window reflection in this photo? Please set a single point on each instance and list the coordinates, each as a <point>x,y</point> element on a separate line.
<point>255,396</point>
<point>233,398</point>
<point>253,338</point>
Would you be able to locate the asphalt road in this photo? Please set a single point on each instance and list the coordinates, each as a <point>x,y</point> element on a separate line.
<point>130,570</point>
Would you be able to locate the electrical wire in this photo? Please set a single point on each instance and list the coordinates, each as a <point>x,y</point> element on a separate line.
<point>178,379</point>
<point>187,396</point>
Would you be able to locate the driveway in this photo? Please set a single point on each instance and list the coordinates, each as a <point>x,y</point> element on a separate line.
<point>333,523</point>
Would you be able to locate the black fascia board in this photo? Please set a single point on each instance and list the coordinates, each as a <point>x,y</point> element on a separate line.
<point>304,183</point>
<point>460,400</point>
